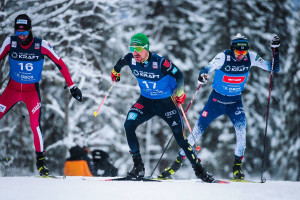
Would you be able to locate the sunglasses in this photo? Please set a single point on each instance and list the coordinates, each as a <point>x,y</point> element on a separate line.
<point>24,33</point>
<point>238,52</point>
<point>137,48</point>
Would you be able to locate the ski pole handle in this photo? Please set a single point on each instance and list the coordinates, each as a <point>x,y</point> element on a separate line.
<point>96,112</point>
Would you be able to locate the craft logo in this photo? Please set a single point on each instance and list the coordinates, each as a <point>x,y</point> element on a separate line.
<point>2,108</point>
<point>204,114</point>
<point>14,55</point>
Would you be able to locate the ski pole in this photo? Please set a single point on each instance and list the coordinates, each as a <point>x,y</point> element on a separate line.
<point>187,108</point>
<point>161,155</point>
<point>267,118</point>
<point>197,148</point>
<point>20,115</point>
<point>108,91</point>
<point>189,127</point>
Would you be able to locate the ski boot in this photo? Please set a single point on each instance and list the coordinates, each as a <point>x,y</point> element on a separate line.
<point>138,170</point>
<point>237,169</point>
<point>41,164</point>
<point>166,173</point>
<point>202,174</point>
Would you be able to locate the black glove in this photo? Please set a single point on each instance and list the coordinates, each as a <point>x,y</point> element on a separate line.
<point>203,76</point>
<point>76,93</point>
<point>275,43</point>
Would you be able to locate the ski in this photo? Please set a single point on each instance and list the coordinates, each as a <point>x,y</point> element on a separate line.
<point>196,180</point>
<point>51,176</point>
<point>133,179</point>
<point>243,181</point>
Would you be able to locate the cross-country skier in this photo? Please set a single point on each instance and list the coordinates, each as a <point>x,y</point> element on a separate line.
<point>157,78</point>
<point>232,67</point>
<point>26,58</point>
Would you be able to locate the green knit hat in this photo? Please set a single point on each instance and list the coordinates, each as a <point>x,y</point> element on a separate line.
<point>140,39</point>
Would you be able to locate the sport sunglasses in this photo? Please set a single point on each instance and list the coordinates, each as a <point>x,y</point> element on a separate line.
<point>24,33</point>
<point>137,48</point>
<point>239,52</point>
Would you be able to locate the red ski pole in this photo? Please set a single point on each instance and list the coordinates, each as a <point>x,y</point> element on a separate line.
<point>267,117</point>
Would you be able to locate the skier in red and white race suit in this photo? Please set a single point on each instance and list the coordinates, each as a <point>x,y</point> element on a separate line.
<point>26,58</point>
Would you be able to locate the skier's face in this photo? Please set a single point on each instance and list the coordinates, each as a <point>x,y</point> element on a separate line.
<point>140,56</point>
<point>22,34</point>
<point>239,55</point>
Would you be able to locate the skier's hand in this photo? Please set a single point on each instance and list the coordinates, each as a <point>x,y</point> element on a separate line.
<point>275,43</point>
<point>76,93</point>
<point>181,99</point>
<point>115,76</point>
<point>202,79</point>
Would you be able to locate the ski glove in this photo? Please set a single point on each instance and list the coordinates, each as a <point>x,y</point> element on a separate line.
<point>203,76</point>
<point>115,76</point>
<point>275,43</point>
<point>181,99</point>
<point>76,93</point>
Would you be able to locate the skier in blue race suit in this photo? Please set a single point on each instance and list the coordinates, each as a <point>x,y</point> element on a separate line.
<point>232,67</point>
<point>157,78</point>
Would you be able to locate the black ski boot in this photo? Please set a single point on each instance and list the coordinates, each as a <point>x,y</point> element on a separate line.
<point>202,173</point>
<point>41,164</point>
<point>138,170</point>
<point>237,169</point>
<point>166,173</point>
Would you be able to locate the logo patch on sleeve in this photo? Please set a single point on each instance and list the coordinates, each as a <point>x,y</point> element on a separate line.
<point>174,70</point>
<point>204,114</point>
<point>132,116</point>
<point>2,108</point>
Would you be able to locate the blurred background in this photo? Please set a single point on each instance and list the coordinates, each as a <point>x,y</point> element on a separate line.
<point>91,35</point>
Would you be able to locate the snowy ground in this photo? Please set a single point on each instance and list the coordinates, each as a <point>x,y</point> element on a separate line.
<point>75,188</point>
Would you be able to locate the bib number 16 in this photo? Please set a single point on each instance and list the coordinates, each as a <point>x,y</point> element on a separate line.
<point>28,66</point>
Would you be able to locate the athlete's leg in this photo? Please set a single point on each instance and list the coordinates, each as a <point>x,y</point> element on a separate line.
<point>237,116</point>
<point>8,99</point>
<point>33,103</point>
<point>211,111</point>
<point>138,114</point>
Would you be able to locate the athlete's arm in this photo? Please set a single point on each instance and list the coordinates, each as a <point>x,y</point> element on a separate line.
<point>168,68</point>
<point>257,61</point>
<point>50,53</point>
<point>5,48</point>
<point>122,62</point>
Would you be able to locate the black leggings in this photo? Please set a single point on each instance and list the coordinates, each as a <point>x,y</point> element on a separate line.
<point>144,109</point>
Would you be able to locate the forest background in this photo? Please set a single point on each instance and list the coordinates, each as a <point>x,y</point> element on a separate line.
<point>91,35</point>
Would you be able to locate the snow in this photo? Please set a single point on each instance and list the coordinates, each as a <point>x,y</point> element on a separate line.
<point>73,188</point>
